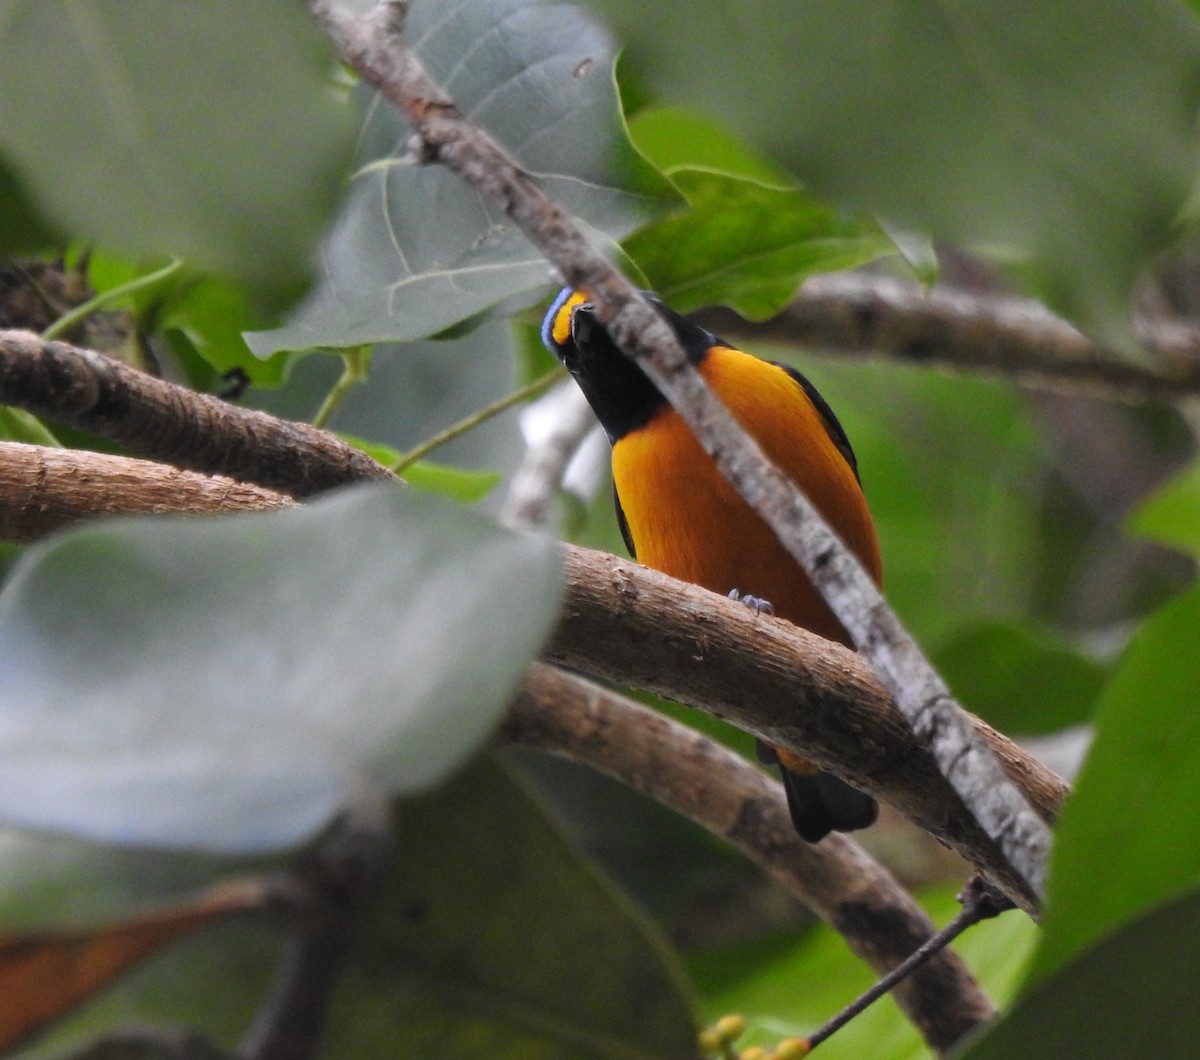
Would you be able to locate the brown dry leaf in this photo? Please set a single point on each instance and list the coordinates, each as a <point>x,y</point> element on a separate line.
<point>45,974</point>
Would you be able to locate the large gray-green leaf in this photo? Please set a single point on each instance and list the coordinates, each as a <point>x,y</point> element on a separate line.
<point>207,131</point>
<point>416,250</point>
<point>1134,994</point>
<point>1061,135</point>
<point>228,684</point>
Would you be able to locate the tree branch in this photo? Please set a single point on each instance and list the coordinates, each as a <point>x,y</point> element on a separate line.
<point>42,489</point>
<point>170,423</point>
<point>374,47</point>
<point>711,785</point>
<point>869,314</point>
<point>635,626</point>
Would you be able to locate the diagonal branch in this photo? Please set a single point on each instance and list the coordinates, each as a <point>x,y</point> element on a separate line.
<point>374,47</point>
<point>708,783</point>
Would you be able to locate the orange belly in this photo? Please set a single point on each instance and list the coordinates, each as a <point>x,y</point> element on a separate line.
<point>687,521</point>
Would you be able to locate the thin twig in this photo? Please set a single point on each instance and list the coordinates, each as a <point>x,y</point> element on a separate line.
<point>355,362</point>
<point>980,905</point>
<point>469,423</point>
<point>374,47</point>
<point>81,312</point>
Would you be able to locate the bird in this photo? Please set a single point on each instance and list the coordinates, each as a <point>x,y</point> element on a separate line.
<point>678,514</point>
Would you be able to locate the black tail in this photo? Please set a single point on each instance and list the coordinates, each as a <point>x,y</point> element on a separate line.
<point>821,803</point>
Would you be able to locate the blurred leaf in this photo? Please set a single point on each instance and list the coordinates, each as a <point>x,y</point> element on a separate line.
<point>1059,135</point>
<point>790,987</point>
<point>747,245</point>
<point>1020,679</point>
<point>679,138</point>
<point>917,250</point>
<point>1133,810</point>
<point>1171,515</point>
<point>456,483</point>
<point>459,484</point>
<point>415,249</point>
<point>496,941</point>
<point>235,680</point>
<point>1133,994</point>
<point>204,131</point>
<point>23,229</point>
<point>17,425</point>
<point>44,975</point>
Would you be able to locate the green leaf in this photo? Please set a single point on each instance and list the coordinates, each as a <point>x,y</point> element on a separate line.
<point>459,484</point>
<point>17,425</point>
<point>1020,679</point>
<point>1132,817</point>
<point>496,941</point>
<point>1060,136</point>
<point>1171,515</point>
<point>415,250</point>
<point>787,986</point>
<point>209,131</point>
<point>678,138</point>
<point>232,682</point>
<point>1134,994</point>
<point>746,245</point>
<point>23,229</point>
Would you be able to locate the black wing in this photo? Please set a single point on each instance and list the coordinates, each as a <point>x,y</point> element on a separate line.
<point>836,433</point>
<point>623,523</point>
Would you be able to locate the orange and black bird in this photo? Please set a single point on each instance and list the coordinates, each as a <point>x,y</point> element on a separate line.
<point>679,515</point>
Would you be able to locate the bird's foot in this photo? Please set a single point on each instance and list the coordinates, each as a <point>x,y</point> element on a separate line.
<point>755,603</point>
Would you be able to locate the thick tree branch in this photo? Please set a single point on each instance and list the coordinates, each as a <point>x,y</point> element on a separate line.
<point>170,423</point>
<point>868,314</point>
<point>706,782</point>
<point>635,626</point>
<point>374,47</point>
<point>42,489</point>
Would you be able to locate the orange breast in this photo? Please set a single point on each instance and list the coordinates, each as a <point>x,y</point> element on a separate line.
<point>687,521</point>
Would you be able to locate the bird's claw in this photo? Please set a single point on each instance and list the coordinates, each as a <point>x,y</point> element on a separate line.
<point>755,603</point>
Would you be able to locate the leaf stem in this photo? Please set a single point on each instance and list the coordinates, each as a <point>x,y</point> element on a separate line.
<point>542,382</point>
<point>139,283</point>
<point>356,361</point>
